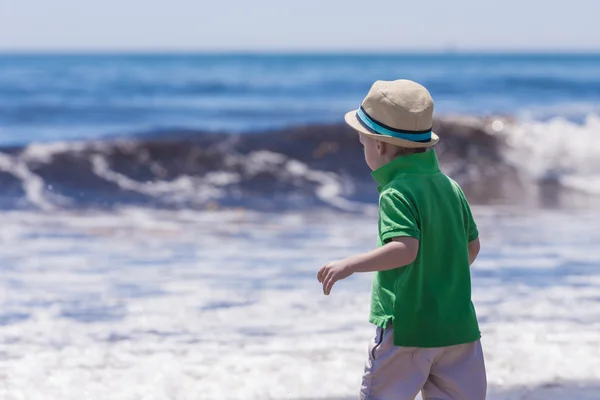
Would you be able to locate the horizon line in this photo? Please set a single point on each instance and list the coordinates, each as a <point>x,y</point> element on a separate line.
<point>299,51</point>
<point>273,52</point>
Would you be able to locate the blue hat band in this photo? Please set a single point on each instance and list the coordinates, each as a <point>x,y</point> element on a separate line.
<point>381,129</point>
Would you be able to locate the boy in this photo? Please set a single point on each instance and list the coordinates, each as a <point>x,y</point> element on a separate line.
<point>427,335</point>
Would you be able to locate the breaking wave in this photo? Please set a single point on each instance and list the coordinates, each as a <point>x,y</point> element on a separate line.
<point>496,160</point>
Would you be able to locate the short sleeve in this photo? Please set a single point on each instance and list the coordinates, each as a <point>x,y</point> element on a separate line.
<point>397,217</point>
<point>470,225</point>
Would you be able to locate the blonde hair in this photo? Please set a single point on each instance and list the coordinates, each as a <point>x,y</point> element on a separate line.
<point>406,151</point>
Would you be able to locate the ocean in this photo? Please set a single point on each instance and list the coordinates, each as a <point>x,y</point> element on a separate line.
<point>164,216</point>
<point>59,97</point>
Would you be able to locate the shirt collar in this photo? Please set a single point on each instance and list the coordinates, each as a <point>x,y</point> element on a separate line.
<point>420,163</point>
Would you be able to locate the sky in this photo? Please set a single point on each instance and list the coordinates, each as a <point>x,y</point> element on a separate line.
<point>299,25</point>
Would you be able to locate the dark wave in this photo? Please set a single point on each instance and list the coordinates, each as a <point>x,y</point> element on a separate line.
<point>299,167</point>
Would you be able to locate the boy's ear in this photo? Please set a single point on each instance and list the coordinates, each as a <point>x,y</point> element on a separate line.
<point>381,148</point>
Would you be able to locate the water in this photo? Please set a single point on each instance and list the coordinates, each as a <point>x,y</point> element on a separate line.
<point>57,97</point>
<point>118,281</point>
<point>142,304</point>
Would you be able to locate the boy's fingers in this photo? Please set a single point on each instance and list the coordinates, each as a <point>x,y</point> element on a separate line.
<point>321,273</point>
<point>329,286</point>
<point>326,283</point>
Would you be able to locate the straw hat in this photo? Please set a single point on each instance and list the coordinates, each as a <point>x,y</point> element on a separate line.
<point>397,112</point>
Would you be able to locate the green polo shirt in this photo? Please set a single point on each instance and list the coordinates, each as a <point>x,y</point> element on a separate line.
<point>428,301</point>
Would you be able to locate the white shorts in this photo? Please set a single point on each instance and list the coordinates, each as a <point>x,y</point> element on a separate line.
<point>442,373</point>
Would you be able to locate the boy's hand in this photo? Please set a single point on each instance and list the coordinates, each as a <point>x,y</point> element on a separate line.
<point>333,272</point>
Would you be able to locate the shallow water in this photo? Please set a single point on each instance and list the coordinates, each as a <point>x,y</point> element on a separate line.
<point>147,304</point>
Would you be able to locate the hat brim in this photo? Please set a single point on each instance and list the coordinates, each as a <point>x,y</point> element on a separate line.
<point>352,120</point>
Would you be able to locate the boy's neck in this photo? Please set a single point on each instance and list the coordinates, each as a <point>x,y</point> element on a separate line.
<point>402,152</point>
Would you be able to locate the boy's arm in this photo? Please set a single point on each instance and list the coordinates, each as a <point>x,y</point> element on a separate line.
<point>474,247</point>
<point>470,228</point>
<point>399,252</point>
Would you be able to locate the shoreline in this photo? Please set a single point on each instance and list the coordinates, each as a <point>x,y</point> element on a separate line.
<point>189,307</point>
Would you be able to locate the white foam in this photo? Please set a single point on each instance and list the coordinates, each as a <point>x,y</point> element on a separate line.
<point>33,185</point>
<point>329,186</point>
<point>44,152</point>
<point>560,150</point>
<point>225,305</point>
<point>183,189</point>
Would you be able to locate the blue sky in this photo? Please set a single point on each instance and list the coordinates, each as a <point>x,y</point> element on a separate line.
<point>267,25</point>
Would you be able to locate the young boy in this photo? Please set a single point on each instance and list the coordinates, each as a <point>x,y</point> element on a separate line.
<point>427,335</point>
